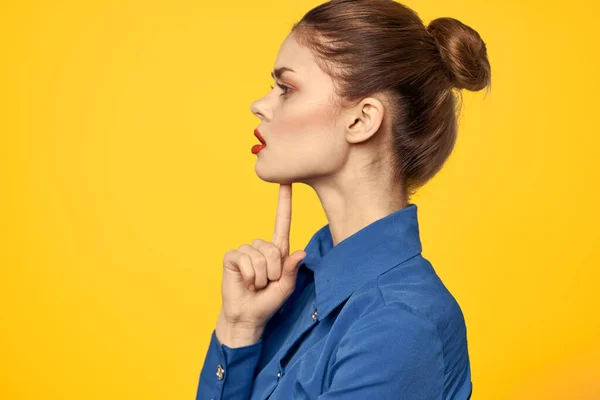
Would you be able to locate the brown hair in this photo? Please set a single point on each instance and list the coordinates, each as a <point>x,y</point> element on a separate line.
<point>370,46</point>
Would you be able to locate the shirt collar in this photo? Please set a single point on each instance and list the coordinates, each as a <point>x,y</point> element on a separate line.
<point>340,270</point>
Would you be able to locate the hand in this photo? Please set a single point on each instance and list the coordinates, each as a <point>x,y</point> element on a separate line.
<point>258,278</point>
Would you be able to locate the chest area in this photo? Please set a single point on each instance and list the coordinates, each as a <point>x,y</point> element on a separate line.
<point>300,370</point>
<point>298,352</point>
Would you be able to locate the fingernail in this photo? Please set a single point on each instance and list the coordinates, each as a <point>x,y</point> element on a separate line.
<point>251,287</point>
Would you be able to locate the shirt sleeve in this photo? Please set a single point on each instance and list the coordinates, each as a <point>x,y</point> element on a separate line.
<point>228,373</point>
<point>390,353</point>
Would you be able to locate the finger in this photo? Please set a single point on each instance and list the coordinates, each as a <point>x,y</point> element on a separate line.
<point>287,283</point>
<point>259,263</point>
<point>273,256</point>
<point>283,219</point>
<point>241,262</point>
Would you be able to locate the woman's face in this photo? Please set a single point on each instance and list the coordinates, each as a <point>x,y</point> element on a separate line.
<point>298,122</point>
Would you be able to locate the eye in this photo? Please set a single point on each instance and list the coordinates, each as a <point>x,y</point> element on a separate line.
<point>284,88</point>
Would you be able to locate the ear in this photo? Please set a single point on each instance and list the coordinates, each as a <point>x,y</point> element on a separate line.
<point>365,120</point>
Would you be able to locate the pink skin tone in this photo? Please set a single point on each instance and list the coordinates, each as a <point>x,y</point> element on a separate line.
<point>343,156</point>
<point>297,121</point>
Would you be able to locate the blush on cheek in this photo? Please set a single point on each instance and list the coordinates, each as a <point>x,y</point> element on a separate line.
<point>302,119</point>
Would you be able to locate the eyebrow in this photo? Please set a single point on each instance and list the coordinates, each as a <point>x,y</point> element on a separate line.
<point>279,71</point>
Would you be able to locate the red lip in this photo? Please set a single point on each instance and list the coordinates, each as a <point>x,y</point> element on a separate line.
<point>259,136</point>
<point>258,147</point>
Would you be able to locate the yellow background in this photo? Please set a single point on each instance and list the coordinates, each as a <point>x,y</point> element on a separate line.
<point>127,174</point>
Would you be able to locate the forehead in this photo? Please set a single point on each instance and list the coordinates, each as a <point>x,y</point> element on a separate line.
<point>299,58</point>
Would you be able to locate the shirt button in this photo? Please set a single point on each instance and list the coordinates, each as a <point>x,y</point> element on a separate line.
<point>220,372</point>
<point>314,316</point>
<point>278,374</point>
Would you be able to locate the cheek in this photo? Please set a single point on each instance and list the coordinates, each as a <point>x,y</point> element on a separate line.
<point>305,139</point>
<point>302,121</point>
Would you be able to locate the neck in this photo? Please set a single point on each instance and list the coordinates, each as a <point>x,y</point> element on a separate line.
<point>351,201</point>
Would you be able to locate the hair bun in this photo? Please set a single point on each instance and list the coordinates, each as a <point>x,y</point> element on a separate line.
<point>464,53</point>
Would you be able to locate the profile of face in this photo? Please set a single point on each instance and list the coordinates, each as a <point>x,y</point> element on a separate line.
<point>305,138</point>
<point>297,120</point>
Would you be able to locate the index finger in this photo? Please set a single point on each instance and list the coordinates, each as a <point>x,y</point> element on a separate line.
<point>283,219</point>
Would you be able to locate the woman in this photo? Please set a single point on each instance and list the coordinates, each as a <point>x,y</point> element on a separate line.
<point>364,112</point>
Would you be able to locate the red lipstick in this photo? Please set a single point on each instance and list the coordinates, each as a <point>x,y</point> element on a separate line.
<point>258,147</point>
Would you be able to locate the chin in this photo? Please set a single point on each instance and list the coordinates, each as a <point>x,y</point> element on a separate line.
<point>273,175</point>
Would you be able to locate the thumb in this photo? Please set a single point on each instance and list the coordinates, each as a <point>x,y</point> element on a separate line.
<point>289,271</point>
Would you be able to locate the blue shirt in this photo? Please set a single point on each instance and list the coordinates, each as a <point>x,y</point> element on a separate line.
<point>369,319</point>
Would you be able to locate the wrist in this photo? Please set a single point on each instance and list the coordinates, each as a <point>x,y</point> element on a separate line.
<point>237,334</point>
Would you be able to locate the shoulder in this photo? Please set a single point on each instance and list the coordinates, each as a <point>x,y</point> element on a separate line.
<point>389,350</point>
<point>408,322</point>
<point>416,285</point>
<point>411,298</point>
<point>412,286</point>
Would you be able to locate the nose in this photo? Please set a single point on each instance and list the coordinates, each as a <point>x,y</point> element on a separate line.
<point>257,108</point>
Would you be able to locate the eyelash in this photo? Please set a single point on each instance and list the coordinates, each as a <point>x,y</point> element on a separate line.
<point>283,87</point>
